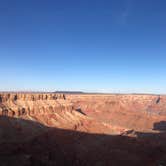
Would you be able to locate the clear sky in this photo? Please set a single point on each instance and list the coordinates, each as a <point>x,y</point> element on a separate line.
<point>89,45</point>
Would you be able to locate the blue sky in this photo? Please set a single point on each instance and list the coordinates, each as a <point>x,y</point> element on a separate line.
<point>89,45</point>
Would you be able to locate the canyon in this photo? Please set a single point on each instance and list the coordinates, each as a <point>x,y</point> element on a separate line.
<point>82,129</point>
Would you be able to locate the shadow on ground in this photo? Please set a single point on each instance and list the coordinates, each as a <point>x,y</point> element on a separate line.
<point>29,143</point>
<point>160,126</point>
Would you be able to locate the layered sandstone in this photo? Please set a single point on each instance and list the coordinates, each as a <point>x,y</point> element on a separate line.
<point>138,112</point>
<point>20,104</point>
<point>50,109</point>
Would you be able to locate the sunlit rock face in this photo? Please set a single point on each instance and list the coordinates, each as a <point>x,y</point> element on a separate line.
<point>50,109</point>
<point>116,112</point>
<point>21,104</point>
<point>137,112</point>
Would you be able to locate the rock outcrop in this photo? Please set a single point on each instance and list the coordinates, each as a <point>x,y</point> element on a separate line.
<point>50,109</point>
<point>4,97</point>
<point>21,104</point>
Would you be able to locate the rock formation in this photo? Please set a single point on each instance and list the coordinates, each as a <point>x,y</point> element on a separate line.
<point>20,104</point>
<point>82,129</point>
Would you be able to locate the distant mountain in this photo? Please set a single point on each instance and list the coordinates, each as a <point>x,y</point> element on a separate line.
<point>70,92</point>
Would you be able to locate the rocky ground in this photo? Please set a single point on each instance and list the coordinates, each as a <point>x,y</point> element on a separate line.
<point>82,129</point>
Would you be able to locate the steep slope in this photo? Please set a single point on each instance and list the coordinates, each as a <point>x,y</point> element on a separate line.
<point>52,110</point>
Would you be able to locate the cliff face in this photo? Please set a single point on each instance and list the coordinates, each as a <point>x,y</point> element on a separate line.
<point>30,96</point>
<point>53,110</point>
<point>153,104</point>
<point>21,104</point>
<point>138,112</point>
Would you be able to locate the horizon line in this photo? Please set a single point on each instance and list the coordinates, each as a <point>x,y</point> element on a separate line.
<point>81,92</point>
